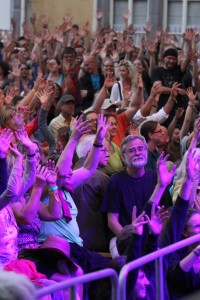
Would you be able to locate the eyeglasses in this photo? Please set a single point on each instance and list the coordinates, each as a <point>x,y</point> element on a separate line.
<point>108,66</point>
<point>134,150</point>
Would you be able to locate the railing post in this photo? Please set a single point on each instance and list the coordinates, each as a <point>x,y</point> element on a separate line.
<point>122,282</point>
<point>159,279</point>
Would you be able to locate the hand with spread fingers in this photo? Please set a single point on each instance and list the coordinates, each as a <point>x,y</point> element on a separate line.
<point>6,138</point>
<point>165,176</point>
<point>138,222</point>
<point>157,219</point>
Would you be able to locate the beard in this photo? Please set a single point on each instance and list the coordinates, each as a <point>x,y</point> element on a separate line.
<point>137,162</point>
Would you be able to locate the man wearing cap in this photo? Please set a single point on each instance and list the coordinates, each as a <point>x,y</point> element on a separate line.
<point>65,118</point>
<point>107,106</point>
<point>169,73</point>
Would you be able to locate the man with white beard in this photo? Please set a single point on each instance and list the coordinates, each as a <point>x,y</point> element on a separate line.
<point>130,187</point>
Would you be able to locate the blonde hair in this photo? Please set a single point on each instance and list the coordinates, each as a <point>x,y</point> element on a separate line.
<point>133,73</point>
<point>6,114</point>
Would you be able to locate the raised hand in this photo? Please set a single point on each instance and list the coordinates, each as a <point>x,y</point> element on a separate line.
<point>33,19</point>
<point>101,129</point>
<point>109,80</point>
<point>125,15</point>
<point>42,174</point>
<point>99,14</point>
<point>157,219</point>
<point>191,95</point>
<point>80,129</point>
<point>22,137</point>
<point>6,138</point>
<point>179,112</point>
<point>147,27</point>
<point>156,90</point>
<point>15,152</point>
<point>43,95</point>
<point>165,176</point>
<point>138,222</point>
<point>191,162</point>
<point>9,96</point>
<point>52,175</point>
<point>175,90</point>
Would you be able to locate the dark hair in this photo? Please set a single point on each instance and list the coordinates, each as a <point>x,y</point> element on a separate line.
<point>5,68</point>
<point>56,59</point>
<point>107,116</point>
<point>88,113</point>
<point>63,133</point>
<point>68,50</point>
<point>191,212</point>
<point>148,127</point>
<point>60,90</point>
<point>75,26</point>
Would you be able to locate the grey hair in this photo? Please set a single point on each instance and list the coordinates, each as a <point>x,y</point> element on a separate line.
<point>15,286</point>
<point>130,138</point>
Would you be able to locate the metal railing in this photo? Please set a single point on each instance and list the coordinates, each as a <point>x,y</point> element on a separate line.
<point>73,282</point>
<point>119,283</point>
<point>158,256</point>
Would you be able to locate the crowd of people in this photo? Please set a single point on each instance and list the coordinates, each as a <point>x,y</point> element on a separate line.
<point>99,157</point>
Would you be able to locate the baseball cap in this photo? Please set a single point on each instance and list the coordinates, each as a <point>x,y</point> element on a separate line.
<point>108,103</point>
<point>66,98</point>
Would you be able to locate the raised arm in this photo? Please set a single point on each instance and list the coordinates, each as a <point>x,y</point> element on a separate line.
<point>189,111</point>
<point>165,177</point>
<point>136,100</point>
<point>30,167</point>
<point>103,94</point>
<point>91,163</point>
<point>65,160</point>
<point>14,182</point>
<point>5,140</point>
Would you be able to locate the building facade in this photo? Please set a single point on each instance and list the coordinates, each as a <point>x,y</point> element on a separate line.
<point>174,15</point>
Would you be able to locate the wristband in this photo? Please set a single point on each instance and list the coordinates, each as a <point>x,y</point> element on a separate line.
<point>196,253</point>
<point>97,145</point>
<point>154,105</point>
<point>33,90</point>
<point>31,155</point>
<point>52,189</point>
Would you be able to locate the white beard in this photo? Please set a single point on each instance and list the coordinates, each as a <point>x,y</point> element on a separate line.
<point>137,163</point>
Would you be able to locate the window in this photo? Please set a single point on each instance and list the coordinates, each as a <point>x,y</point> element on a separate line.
<point>120,7</point>
<point>174,16</point>
<point>139,13</point>
<point>193,14</point>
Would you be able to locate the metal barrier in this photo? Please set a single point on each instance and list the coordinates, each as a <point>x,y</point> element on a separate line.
<point>71,283</point>
<point>158,256</point>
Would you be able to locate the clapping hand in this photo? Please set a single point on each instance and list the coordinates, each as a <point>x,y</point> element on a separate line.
<point>52,175</point>
<point>42,173</point>
<point>157,219</point>
<point>138,222</point>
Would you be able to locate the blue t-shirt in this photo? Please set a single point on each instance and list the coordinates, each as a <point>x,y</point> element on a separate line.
<point>95,82</point>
